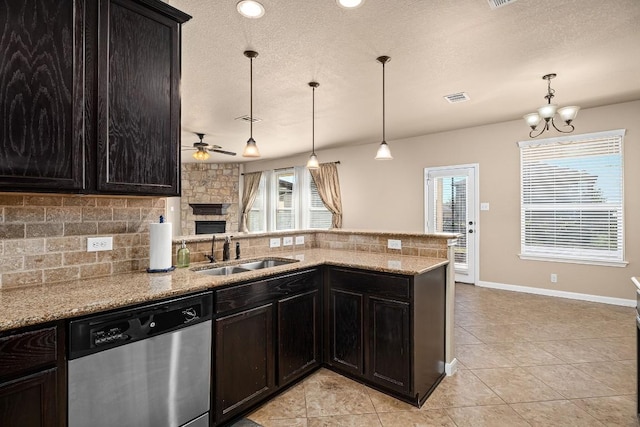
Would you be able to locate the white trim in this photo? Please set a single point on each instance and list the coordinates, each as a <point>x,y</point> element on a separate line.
<point>451,368</point>
<point>560,294</point>
<point>575,261</point>
<point>572,138</point>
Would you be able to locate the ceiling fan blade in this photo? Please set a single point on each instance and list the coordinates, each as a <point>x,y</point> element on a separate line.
<point>230,153</point>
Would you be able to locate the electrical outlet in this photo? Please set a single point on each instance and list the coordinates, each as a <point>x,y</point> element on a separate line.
<point>96,244</point>
<point>299,240</point>
<point>554,278</point>
<point>274,243</point>
<point>287,241</point>
<point>394,244</point>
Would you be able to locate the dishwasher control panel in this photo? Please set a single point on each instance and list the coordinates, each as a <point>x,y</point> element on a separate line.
<point>104,331</point>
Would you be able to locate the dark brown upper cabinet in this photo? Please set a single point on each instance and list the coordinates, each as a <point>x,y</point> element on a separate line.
<point>90,96</point>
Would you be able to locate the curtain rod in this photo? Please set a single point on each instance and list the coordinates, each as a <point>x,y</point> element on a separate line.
<point>281,169</point>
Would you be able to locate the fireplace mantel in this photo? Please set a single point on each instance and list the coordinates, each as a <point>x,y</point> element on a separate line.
<point>209,208</point>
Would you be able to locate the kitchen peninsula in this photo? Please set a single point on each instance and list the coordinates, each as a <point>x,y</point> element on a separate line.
<point>343,277</point>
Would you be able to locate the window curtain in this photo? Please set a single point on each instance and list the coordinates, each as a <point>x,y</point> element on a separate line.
<point>326,179</point>
<point>249,193</point>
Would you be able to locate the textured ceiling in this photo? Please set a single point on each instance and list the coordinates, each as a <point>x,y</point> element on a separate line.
<point>437,48</point>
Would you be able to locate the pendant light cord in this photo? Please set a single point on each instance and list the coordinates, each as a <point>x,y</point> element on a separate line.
<point>384,139</point>
<point>251,98</point>
<point>313,120</point>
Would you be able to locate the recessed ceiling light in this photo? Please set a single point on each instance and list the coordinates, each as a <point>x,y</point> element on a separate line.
<point>251,8</point>
<point>350,4</point>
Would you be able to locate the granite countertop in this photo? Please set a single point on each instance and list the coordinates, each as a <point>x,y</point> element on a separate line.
<point>39,304</point>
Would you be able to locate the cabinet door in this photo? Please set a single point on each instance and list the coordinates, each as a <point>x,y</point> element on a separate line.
<point>29,401</point>
<point>388,354</point>
<point>298,335</point>
<point>41,95</point>
<point>345,330</point>
<point>138,148</point>
<point>244,363</point>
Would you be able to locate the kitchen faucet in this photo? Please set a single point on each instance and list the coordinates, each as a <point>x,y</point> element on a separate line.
<point>212,257</point>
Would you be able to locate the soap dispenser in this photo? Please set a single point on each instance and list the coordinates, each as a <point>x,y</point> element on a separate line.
<point>184,257</point>
<point>226,249</point>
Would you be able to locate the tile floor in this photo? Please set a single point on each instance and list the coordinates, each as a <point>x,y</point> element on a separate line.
<point>525,360</point>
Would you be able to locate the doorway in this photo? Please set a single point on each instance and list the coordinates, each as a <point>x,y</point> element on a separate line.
<point>450,207</point>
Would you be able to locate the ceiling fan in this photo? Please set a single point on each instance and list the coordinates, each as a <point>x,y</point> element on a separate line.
<point>202,149</point>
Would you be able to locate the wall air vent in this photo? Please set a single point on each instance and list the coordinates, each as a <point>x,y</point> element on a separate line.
<point>455,98</point>
<point>248,119</point>
<point>494,4</point>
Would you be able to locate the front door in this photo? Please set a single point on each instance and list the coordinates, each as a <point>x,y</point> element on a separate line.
<point>450,207</point>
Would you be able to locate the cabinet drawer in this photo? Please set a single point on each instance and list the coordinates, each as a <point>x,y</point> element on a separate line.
<point>22,352</point>
<point>253,293</point>
<point>372,283</point>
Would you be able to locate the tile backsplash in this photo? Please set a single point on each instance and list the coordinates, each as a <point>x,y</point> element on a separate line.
<point>43,238</point>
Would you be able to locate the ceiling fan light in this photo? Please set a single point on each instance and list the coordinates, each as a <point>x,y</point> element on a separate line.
<point>568,113</point>
<point>547,111</point>
<point>350,4</point>
<point>532,119</point>
<point>201,155</point>
<point>312,163</point>
<point>250,9</point>
<point>384,153</point>
<point>251,149</point>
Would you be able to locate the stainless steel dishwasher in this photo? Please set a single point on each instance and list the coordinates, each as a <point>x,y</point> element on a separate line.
<point>148,366</point>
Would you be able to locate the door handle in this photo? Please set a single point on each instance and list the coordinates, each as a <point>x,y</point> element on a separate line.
<point>470,231</point>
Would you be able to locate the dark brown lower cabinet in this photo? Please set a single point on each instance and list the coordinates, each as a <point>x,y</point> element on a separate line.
<point>244,363</point>
<point>268,333</point>
<point>387,330</point>
<point>29,401</point>
<point>299,337</point>
<point>32,372</point>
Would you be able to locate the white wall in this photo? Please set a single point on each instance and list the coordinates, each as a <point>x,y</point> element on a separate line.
<point>379,195</point>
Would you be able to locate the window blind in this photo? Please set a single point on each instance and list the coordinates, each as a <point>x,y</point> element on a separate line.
<point>572,198</point>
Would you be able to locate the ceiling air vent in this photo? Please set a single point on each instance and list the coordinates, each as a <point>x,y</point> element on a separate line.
<point>494,4</point>
<point>246,118</point>
<point>455,98</point>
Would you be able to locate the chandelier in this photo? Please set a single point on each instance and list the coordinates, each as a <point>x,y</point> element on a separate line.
<point>548,112</point>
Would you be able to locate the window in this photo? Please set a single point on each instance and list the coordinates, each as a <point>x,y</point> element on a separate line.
<point>288,199</point>
<point>572,199</point>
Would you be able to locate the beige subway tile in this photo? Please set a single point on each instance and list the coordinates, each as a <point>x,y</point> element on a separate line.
<point>362,247</point>
<point>153,215</point>
<point>11,200</point>
<point>80,228</point>
<point>23,214</point>
<point>22,278</point>
<point>112,227</point>
<point>41,261</point>
<point>1,247</point>
<point>138,252</point>
<point>81,201</point>
<point>160,202</point>
<point>80,257</point>
<point>65,214</point>
<point>126,214</point>
<point>125,240</point>
<point>95,270</point>
<point>12,231</point>
<point>137,227</point>
<point>144,239</point>
<point>118,254</point>
<point>112,202</point>
<point>97,214</point>
<point>11,263</point>
<point>65,244</point>
<point>61,274</point>
<point>44,229</point>
<point>43,200</point>
<point>378,249</point>
<point>125,266</point>
<point>141,202</point>
<point>410,251</point>
<point>428,253</point>
<point>24,247</point>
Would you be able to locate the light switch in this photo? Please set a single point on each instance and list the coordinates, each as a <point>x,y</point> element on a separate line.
<point>274,243</point>
<point>287,241</point>
<point>484,206</point>
<point>299,240</point>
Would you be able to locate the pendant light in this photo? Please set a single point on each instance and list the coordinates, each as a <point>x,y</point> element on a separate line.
<point>251,149</point>
<point>313,159</point>
<point>384,153</point>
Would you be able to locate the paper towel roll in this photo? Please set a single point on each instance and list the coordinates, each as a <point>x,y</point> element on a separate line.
<point>160,246</point>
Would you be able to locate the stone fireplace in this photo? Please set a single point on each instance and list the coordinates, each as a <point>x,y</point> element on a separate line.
<point>205,186</point>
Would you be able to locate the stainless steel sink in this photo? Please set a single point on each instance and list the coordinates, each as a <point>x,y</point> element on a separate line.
<point>244,267</point>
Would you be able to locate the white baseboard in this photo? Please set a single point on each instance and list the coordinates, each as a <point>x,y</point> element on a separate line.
<point>451,368</point>
<point>561,294</point>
